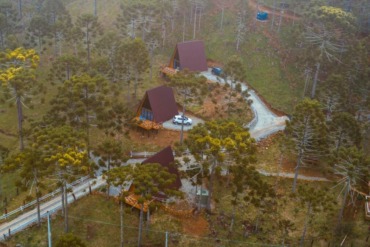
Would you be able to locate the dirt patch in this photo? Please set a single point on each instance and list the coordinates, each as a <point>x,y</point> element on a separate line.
<point>195,226</point>
<point>162,138</point>
<point>215,106</point>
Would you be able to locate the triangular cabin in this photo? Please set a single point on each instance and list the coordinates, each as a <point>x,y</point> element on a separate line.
<point>166,159</point>
<point>189,55</point>
<point>157,106</point>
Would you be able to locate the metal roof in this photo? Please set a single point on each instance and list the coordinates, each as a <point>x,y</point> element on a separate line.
<point>166,159</point>
<point>192,56</point>
<point>162,103</point>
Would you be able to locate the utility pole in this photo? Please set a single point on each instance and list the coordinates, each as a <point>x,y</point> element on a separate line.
<point>166,243</point>
<point>49,230</point>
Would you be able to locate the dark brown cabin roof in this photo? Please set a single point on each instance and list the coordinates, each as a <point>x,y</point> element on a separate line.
<point>192,55</point>
<point>166,159</point>
<point>162,103</point>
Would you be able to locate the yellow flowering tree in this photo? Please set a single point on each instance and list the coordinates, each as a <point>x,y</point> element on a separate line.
<point>64,155</point>
<point>17,77</point>
<point>222,144</point>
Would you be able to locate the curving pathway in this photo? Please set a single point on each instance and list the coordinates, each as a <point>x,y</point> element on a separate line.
<point>265,122</point>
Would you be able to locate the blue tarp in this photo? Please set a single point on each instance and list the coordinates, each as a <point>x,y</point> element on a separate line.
<point>262,16</point>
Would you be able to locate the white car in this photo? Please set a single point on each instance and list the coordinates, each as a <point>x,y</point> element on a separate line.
<point>179,118</point>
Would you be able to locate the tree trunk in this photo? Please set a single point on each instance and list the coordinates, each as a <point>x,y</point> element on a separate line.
<point>121,214</point>
<point>183,30</point>
<point>38,207</point>
<point>95,8</point>
<point>339,142</point>
<point>39,41</point>
<point>280,20</point>
<point>87,121</point>
<point>2,39</point>
<point>210,192</point>
<point>147,221</point>
<point>273,15</point>
<point>136,81</point>
<point>200,198</point>
<point>62,197</point>
<point>222,18</point>
<point>233,217</point>
<point>20,9</point>
<point>140,225</point>
<point>195,22</point>
<point>297,170</point>
<point>313,92</point>
<point>340,216</point>
<point>301,242</point>
<point>20,122</point>
<point>88,45</point>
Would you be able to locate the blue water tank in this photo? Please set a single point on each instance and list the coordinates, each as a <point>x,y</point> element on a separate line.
<point>262,16</point>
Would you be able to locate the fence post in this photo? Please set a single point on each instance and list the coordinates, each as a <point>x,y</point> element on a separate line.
<point>166,243</point>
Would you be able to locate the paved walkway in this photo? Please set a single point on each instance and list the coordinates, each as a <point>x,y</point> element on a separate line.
<point>28,218</point>
<point>52,206</point>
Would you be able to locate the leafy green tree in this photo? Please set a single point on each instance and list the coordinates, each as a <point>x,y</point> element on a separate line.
<point>137,17</point>
<point>191,87</point>
<point>17,76</point>
<point>115,120</point>
<point>315,201</point>
<point>65,155</point>
<point>70,240</point>
<point>79,101</point>
<point>37,31</point>
<point>136,58</point>
<point>111,154</point>
<point>344,131</point>
<point>218,141</point>
<point>247,184</point>
<point>90,28</point>
<point>353,167</point>
<point>8,22</point>
<point>329,30</point>
<point>285,226</point>
<point>307,132</point>
<point>74,38</point>
<point>107,47</point>
<point>148,180</point>
<point>64,67</point>
<point>30,165</point>
<point>235,72</point>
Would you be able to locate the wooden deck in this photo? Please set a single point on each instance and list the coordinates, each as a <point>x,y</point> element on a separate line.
<point>168,71</point>
<point>147,124</point>
<point>132,201</point>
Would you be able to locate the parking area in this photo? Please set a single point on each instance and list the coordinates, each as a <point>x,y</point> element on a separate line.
<point>169,125</point>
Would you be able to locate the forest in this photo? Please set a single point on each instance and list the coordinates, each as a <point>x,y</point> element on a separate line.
<point>78,160</point>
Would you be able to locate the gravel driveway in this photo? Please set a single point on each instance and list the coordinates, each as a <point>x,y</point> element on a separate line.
<point>265,122</point>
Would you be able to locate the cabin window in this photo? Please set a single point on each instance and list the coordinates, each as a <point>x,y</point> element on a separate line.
<point>146,114</point>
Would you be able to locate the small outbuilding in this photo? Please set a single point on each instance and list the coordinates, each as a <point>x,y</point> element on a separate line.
<point>166,159</point>
<point>157,106</point>
<point>189,55</point>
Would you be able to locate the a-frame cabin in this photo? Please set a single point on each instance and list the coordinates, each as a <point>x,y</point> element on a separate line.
<point>189,55</point>
<point>157,106</point>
